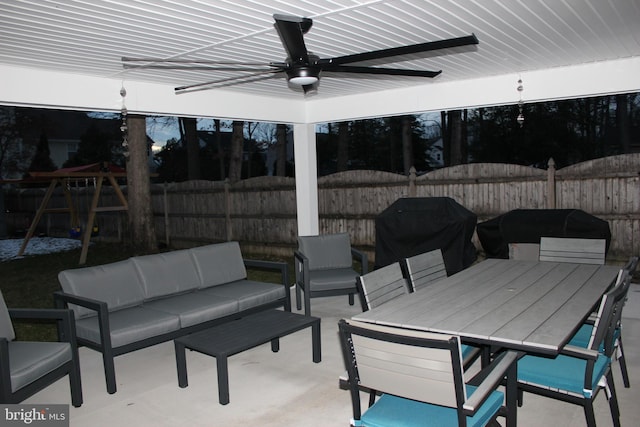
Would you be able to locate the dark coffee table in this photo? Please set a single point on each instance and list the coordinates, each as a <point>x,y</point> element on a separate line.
<point>227,339</point>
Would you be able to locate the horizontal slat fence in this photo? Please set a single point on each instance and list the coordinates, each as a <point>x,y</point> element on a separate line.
<point>261,212</point>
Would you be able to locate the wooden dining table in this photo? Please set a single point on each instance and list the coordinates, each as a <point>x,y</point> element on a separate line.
<point>529,306</point>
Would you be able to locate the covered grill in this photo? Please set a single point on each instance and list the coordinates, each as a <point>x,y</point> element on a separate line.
<point>411,226</point>
<point>528,225</point>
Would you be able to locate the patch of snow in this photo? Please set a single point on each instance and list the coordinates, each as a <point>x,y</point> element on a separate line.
<point>37,246</point>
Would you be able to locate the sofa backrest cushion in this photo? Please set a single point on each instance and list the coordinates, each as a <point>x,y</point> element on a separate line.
<point>116,283</point>
<point>219,263</point>
<point>6,326</point>
<point>326,252</point>
<point>166,273</point>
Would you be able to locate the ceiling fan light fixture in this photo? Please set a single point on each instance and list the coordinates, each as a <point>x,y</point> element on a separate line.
<point>303,76</point>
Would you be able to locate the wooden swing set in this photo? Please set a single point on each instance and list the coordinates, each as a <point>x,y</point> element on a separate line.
<point>65,177</point>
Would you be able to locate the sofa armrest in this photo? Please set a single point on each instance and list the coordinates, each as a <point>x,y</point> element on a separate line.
<point>282,267</point>
<point>362,258</point>
<point>63,299</point>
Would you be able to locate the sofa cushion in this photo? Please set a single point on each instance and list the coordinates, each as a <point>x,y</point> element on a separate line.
<point>129,325</point>
<point>166,273</point>
<point>248,293</point>
<point>327,251</point>
<point>117,284</point>
<point>218,264</point>
<point>195,307</point>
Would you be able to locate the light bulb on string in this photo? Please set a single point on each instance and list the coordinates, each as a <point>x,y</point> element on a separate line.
<point>124,128</point>
<point>520,118</point>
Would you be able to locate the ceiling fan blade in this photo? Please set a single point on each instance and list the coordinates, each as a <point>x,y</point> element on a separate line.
<point>402,50</point>
<point>261,67</point>
<point>126,60</point>
<point>261,75</point>
<point>291,30</point>
<point>380,70</point>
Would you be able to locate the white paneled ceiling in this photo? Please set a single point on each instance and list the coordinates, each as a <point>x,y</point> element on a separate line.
<point>89,37</point>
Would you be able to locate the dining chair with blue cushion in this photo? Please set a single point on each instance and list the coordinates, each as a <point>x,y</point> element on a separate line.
<point>26,367</point>
<point>324,267</point>
<point>577,374</point>
<point>420,379</point>
<point>583,337</point>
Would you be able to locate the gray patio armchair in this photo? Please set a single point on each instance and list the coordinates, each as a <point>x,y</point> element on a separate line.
<point>27,367</point>
<point>420,379</point>
<point>324,267</point>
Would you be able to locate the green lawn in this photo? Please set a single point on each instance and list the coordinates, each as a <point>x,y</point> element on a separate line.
<point>29,282</point>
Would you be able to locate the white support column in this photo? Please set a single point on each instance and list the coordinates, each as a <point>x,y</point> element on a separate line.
<point>304,143</point>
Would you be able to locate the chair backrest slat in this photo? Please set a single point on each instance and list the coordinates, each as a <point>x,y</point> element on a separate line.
<point>562,249</point>
<point>382,285</point>
<point>424,269</point>
<point>411,364</point>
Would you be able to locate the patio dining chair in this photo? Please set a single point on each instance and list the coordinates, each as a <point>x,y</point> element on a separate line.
<point>578,374</point>
<point>563,249</point>
<point>381,285</point>
<point>584,334</point>
<point>423,269</point>
<point>26,367</point>
<point>420,378</point>
<point>324,267</point>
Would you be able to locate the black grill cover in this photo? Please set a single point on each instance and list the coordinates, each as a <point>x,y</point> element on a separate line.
<point>411,226</point>
<point>528,225</point>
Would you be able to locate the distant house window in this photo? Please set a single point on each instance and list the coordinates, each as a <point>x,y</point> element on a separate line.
<point>72,149</point>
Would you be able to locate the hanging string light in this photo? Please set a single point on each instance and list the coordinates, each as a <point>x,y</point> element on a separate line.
<point>123,127</point>
<point>520,118</point>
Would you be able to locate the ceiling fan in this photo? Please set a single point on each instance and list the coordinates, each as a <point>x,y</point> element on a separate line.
<point>301,67</point>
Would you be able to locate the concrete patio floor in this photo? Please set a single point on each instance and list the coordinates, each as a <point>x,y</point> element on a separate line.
<point>284,388</point>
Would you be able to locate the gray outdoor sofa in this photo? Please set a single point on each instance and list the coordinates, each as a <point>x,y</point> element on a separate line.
<point>145,300</point>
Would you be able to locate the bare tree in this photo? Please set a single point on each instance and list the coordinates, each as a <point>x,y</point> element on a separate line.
<point>143,236</point>
<point>14,153</point>
<point>622,121</point>
<point>281,149</point>
<point>189,130</point>
<point>407,144</point>
<point>235,161</point>
<point>343,146</point>
<point>216,124</point>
